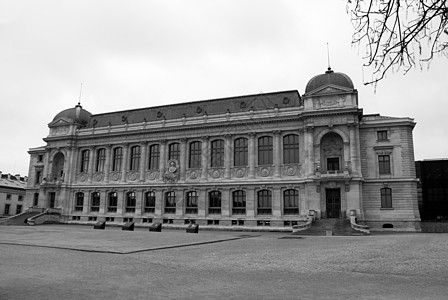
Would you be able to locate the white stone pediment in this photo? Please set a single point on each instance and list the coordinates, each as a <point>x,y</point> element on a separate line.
<point>61,122</point>
<point>329,89</point>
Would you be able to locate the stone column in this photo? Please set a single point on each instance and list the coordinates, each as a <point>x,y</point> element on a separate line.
<point>204,157</point>
<point>251,202</point>
<point>202,202</point>
<point>276,202</point>
<point>70,166</point>
<point>143,160</point>
<point>353,159</point>
<point>180,202</point>
<point>251,154</point>
<point>225,202</point>
<point>120,202</point>
<point>92,156</point>
<point>162,159</point>
<point>228,149</point>
<point>138,203</point>
<point>107,163</point>
<point>103,201</point>
<point>159,203</point>
<point>124,163</point>
<point>183,158</point>
<point>277,153</point>
<point>309,137</point>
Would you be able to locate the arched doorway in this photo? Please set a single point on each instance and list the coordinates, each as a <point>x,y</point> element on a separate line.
<point>331,152</point>
<point>57,172</point>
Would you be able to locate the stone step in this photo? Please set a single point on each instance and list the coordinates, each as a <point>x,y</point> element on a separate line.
<point>338,227</point>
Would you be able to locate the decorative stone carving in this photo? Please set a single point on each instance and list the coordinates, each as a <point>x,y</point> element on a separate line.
<point>329,102</point>
<point>115,176</point>
<point>153,175</point>
<point>98,177</point>
<point>239,172</point>
<point>265,171</point>
<point>216,173</point>
<point>291,170</point>
<point>171,174</point>
<point>194,174</point>
<point>132,176</point>
<point>82,177</point>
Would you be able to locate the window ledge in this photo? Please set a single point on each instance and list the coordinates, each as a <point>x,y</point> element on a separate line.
<point>387,208</point>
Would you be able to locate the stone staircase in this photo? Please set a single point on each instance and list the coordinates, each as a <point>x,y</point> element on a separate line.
<point>18,219</point>
<point>339,227</point>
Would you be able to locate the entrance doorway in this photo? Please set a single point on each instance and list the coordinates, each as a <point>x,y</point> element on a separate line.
<point>333,199</point>
<point>52,196</point>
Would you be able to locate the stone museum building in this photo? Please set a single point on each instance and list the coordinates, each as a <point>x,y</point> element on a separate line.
<point>268,159</point>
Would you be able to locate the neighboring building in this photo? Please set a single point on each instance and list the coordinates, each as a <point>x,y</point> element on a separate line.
<point>258,160</point>
<point>433,189</point>
<point>12,194</point>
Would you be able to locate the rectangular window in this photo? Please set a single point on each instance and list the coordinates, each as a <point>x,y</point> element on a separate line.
<point>135,159</point>
<point>79,201</point>
<point>100,160</point>
<point>18,209</point>
<point>214,202</point>
<point>333,164</point>
<point>170,203</point>
<point>192,203</point>
<point>195,155</point>
<point>174,151</point>
<point>38,177</point>
<point>8,196</point>
<point>117,159</point>
<point>265,149</point>
<point>384,164</point>
<point>264,203</point>
<point>217,152</point>
<point>84,161</point>
<point>382,135</point>
<point>154,156</point>
<point>240,152</point>
<point>386,198</point>
<point>291,202</point>
<point>291,149</point>
<point>95,202</point>
<point>20,198</point>
<point>150,202</point>
<point>7,206</point>
<point>130,202</point>
<point>239,203</point>
<point>36,199</point>
<point>112,202</point>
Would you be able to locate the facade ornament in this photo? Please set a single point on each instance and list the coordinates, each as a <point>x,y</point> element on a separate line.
<point>171,173</point>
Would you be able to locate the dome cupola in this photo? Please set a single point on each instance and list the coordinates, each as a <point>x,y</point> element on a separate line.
<point>76,114</point>
<point>329,78</point>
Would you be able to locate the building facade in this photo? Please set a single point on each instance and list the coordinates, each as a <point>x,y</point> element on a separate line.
<point>12,194</point>
<point>259,160</point>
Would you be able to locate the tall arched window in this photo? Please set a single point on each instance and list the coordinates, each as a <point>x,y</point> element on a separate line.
<point>195,155</point>
<point>79,201</point>
<point>264,202</point>
<point>84,161</point>
<point>95,202</point>
<point>265,149</point>
<point>154,156</point>
<point>240,152</point>
<point>117,159</point>
<point>386,198</point>
<point>100,160</point>
<point>150,202</point>
<point>170,202</point>
<point>214,200</point>
<point>112,202</point>
<point>239,203</point>
<point>135,158</point>
<point>174,151</point>
<point>290,149</point>
<point>130,202</point>
<point>217,152</point>
<point>291,202</point>
<point>192,203</point>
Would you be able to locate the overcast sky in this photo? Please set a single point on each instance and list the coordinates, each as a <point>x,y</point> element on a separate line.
<point>134,54</point>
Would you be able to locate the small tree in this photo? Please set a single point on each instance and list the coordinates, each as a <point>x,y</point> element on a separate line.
<point>398,34</point>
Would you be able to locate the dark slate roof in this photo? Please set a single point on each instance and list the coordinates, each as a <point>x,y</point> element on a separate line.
<point>10,181</point>
<point>198,108</point>
<point>329,77</point>
<point>77,114</point>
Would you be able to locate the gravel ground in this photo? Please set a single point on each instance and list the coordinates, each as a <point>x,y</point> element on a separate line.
<point>76,262</point>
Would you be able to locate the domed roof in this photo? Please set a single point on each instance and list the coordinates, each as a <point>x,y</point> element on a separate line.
<point>329,77</point>
<point>77,114</point>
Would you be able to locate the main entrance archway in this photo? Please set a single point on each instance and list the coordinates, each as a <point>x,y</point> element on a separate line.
<point>333,202</point>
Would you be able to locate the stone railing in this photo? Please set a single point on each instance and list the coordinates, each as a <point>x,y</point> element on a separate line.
<point>358,227</point>
<point>306,225</point>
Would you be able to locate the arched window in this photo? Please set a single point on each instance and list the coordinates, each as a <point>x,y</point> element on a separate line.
<point>170,202</point>
<point>154,156</point>
<point>112,202</point>
<point>135,158</point>
<point>386,198</point>
<point>95,202</point>
<point>117,159</point>
<point>217,152</point>
<point>84,161</point>
<point>291,149</point>
<point>214,202</point>
<point>79,201</point>
<point>130,202</point>
<point>174,151</point>
<point>240,152</point>
<point>291,202</point>
<point>150,202</point>
<point>264,202</point>
<point>239,203</point>
<point>100,160</point>
<point>195,155</point>
<point>192,203</point>
<point>265,150</point>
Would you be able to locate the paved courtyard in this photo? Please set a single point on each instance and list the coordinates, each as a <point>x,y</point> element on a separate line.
<point>77,262</point>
